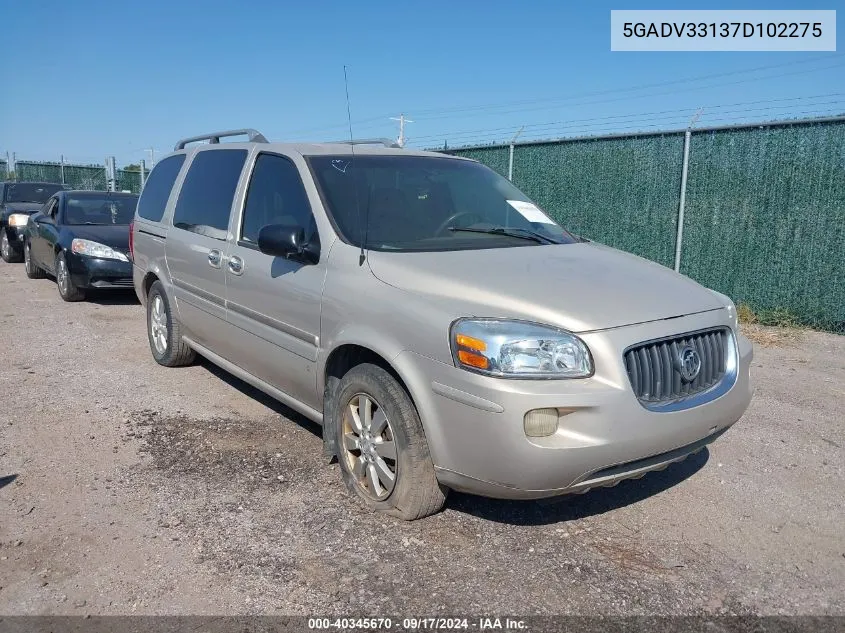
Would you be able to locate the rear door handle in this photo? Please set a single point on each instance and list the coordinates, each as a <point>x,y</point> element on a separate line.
<point>214,258</point>
<point>236,265</point>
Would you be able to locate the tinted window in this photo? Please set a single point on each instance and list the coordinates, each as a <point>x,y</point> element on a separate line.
<point>276,195</point>
<point>158,186</point>
<point>428,203</point>
<point>206,197</point>
<point>100,209</point>
<point>30,192</point>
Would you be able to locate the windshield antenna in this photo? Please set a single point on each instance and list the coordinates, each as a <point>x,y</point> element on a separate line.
<point>363,256</point>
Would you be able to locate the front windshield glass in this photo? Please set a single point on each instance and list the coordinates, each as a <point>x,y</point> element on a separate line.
<point>30,192</point>
<point>100,209</point>
<point>421,203</point>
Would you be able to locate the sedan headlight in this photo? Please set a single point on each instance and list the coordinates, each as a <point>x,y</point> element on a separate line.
<point>518,349</point>
<point>18,219</point>
<point>95,249</point>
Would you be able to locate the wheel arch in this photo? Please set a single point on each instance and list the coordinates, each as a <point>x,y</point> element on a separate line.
<point>349,351</point>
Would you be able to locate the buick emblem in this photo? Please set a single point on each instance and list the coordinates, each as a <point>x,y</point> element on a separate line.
<point>689,363</point>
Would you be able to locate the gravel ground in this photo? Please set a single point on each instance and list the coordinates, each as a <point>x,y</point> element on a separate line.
<point>130,488</point>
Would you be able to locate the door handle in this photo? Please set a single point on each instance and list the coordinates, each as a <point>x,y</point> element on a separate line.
<point>236,265</point>
<point>214,258</point>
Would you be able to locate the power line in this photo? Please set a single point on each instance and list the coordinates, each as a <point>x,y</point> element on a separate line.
<point>458,134</point>
<point>474,109</point>
<point>631,88</point>
<point>665,126</point>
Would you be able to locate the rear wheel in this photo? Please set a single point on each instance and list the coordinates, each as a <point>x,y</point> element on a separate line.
<point>382,450</point>
<point>67,289</point>
<point>164,331</point>
<point>8,251</point>
<point>33,270</point>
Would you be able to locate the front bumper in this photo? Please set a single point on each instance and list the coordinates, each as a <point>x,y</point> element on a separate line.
<point>474,423</point>
<point>95,273</point>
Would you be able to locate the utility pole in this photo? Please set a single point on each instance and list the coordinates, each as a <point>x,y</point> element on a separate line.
<point>402,121</point>
<point>143,172</point>
<point>510,153</point>
<point>62,159</point>
<point>679,236</point>
<point>152,156</point>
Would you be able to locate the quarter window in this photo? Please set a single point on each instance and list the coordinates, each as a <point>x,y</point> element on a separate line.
<point>157,188</point>
<point>276,195</point>
<point>205,200</point>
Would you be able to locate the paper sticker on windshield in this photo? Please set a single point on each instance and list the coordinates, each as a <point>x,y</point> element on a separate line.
<point>530,211</point>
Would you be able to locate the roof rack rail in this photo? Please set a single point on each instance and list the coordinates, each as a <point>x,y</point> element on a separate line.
<point>254,137</point>
<point>369,141</point>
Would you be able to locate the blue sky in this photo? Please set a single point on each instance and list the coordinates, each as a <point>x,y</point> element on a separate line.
<point>88,79</point>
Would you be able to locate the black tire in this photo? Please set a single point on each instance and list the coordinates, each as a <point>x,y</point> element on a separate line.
<point>33,270</point>
<point>67,289</point>
<point>9,251</point>
<point>176,353</point>
<point>415,493</point>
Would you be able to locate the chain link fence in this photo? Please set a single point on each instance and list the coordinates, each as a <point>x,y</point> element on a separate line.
<point>764,215</point>
<point>89,177</point>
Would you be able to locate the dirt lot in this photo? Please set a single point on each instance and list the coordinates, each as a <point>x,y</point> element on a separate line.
<point>131,488</point>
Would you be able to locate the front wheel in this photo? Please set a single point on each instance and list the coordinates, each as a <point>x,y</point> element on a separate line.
<point>382,450</point>
<point>8,251</point>
<point>33,270</point>
<point>67,289</point>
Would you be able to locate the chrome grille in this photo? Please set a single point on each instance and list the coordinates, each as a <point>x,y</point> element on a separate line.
<point>653,366</point>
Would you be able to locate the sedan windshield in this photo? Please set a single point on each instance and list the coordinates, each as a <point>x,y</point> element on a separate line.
<point>422,203</point>
<point>99,209</point>
<point>30,192</point>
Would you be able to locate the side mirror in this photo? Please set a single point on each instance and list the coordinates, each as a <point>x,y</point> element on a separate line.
<point>283,240</point>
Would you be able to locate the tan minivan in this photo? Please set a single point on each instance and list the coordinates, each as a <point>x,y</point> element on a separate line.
<point>445,332</point>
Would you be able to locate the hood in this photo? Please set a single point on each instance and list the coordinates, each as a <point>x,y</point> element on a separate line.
<point>579,287</point>
<point>23,207</point>
<point>114,235</point>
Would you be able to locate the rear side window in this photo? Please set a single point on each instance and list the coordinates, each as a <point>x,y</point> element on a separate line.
<point>157,188</point>
<point>206,197</point>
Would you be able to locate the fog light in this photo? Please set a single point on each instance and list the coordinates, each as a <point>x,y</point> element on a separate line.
<point>540,422</point>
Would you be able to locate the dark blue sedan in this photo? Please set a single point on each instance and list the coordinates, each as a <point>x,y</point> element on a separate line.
<point>81,238</point>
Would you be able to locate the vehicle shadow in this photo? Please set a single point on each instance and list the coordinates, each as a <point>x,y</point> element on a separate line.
<point>574,507</point>
<point>258,395</point>
<point>112,297</point>
<point>5,480</point>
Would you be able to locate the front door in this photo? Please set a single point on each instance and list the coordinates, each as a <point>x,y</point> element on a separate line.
<point>273,302</point>
<point>42,247</point>
<point>196,244</point>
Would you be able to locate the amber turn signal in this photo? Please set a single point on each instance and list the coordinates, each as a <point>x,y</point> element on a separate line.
<point>473,360</point>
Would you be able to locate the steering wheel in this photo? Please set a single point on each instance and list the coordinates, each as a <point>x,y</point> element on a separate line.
<point>448,221</point>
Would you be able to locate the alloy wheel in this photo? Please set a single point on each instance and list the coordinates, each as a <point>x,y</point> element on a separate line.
<point>369,446</point>
<point>62,276</point>
<point>158,325</point>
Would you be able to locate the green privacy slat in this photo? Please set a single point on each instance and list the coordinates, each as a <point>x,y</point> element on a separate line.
<point>764,216</point>
<point>128,181</point>
<point>76,176</point>
<point>765,220</point>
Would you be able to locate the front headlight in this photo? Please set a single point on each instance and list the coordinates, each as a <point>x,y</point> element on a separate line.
<point>518,349</point>
<point>95,249</point>
<point>18,219</point>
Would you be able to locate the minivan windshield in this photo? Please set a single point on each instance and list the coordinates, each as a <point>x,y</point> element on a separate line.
<point>427,203</point>
<point>30,192</point>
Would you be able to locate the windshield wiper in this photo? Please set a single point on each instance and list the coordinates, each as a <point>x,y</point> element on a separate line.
<point>513,231</point>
